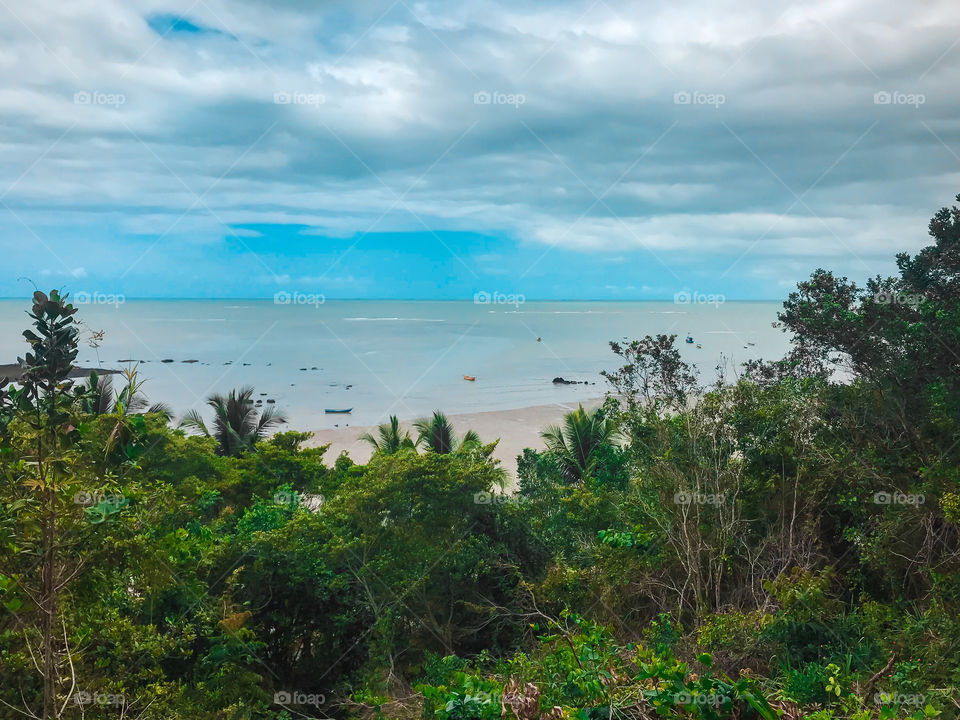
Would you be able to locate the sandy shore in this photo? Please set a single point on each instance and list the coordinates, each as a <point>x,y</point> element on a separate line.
<point>517,429</point>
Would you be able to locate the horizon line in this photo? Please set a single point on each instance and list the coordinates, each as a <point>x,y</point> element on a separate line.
<point>127,298</point>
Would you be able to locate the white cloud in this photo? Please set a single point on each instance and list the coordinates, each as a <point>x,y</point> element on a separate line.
<point>399,142</point>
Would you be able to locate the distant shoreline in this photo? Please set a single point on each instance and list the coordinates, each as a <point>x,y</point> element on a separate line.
<point>470,301</point>
<point>12,372</point>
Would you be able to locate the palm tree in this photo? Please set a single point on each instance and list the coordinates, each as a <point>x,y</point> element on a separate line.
<point>237,425</point>
<point>391,439</point>
<point>98,398</point>
<point>437,435</point>
<point>574,446</point>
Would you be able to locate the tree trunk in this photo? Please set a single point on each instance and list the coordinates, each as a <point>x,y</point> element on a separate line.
<point>49,608</point>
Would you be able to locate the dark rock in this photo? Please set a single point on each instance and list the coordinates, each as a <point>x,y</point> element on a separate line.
<point>270,401</point>
<point>189,362</point>
<point>167,360</point>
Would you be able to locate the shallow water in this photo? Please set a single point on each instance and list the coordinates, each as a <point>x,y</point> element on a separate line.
<point>401,357</point>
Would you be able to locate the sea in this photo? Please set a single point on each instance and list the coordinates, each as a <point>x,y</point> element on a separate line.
<point>405,358</point>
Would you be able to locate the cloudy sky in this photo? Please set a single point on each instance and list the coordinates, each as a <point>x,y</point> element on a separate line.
<point>594,149</point>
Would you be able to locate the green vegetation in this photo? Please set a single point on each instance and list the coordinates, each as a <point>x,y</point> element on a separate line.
<point>784,544</point>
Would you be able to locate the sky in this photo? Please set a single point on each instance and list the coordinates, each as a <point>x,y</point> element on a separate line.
<point>400,149</point>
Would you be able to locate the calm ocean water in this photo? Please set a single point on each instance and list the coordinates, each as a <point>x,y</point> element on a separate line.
<point>401,357</point>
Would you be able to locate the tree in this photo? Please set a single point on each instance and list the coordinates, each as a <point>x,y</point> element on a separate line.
<point>390,438</point>
<point>100,398</point>
<point>437,434</point>
<point>574,446</point>
<point>654,374</point>
<point>45,433</point>
<point>237,424</point>
<point>892,351</point>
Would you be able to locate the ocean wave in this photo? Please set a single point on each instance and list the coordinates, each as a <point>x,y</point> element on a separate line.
<point>562,312</point>
<point>391,319</point>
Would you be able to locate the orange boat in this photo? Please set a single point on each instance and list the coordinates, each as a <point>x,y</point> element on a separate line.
<point>471,378</point>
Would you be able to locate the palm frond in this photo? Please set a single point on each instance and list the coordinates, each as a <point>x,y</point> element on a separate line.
<point>194,421</point>
<point>160,408</point>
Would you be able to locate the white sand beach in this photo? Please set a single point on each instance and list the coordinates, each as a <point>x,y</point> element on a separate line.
<point>517,429</point>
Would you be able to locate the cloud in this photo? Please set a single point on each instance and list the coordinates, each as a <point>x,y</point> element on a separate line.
<point>694,132</point>
<point>78,273</point>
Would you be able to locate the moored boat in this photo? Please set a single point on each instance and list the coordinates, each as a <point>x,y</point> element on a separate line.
<point>330,411</point>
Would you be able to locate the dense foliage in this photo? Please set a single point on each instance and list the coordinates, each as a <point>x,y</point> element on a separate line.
<point>780,544</point>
